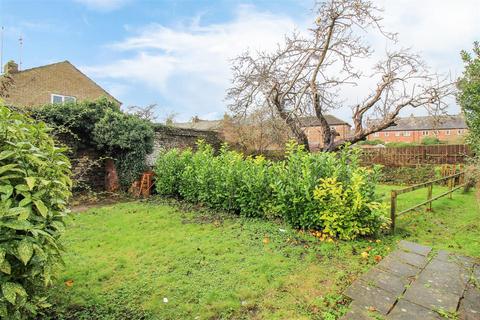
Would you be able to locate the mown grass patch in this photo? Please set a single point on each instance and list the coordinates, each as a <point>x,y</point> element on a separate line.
<point>125,259</point>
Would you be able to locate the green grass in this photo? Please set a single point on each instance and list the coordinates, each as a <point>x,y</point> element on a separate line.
<point>453,224</point>
<point>125,259</point>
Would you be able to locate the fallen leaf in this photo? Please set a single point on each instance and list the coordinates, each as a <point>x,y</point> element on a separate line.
<point>378,241</point>
<point>69,283</point>
<point>378,258</point>
<point>266,240</point>
<point>165,300</point>
<point>372,309</point>
<point>364,254</point>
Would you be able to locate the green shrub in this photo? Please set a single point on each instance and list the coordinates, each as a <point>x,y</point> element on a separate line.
<point>101,124</point>
<point>428,141</point>
<point>34,188</point>
<point>293,189</point>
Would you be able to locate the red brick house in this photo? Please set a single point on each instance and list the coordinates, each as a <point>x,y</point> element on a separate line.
<point>451,129</point>
<point>54,83</point>
<point>313,130</point>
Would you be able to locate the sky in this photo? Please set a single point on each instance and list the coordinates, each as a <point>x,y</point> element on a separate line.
<point>177,54</point>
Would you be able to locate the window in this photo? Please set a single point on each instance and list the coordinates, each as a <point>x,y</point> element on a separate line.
<point>447,132</point>
<point>386,134</point>
<point>424,133</point>
<point>459,131</point>
<point>376,134</point>
<point>397,134</point>
<point>58,98</point>
<point>406,134</point>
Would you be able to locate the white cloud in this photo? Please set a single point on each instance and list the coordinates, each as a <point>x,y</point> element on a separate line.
<point>188,65</point>
<point>103,5</point>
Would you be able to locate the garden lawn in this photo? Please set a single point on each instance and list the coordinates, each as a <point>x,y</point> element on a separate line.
<point>152,260</point>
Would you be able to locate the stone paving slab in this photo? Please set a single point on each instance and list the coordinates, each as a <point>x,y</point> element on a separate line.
<point>405,310</point>
<point>431,298</point>
<point>415,283</point>
<point>386,281</point>
<point>367,296</point>
<point>414,247</point>
<point>399,268</point>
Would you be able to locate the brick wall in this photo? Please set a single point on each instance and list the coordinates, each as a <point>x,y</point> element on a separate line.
<point>171,137</point>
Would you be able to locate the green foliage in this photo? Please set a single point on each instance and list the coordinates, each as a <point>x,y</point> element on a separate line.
<point>126,137</point>
<point>34,188</point>
<point>290,189</point>
<point>101,124</point>
<point>469,94</point>
<point>427,141</point>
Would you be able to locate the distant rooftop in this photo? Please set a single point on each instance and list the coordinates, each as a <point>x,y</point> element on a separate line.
<point>312,121</point>
<point>428,123</point>
<point>199,124</point>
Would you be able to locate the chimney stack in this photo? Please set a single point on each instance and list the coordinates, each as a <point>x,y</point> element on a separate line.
<point>10,67</point>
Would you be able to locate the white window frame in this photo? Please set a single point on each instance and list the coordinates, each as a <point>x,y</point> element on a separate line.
<point>447,132</point>
<point>63,97</point>
<point>406,133</point>
<point>397,133</point>
<point>459,132</point>
<point>425,133</point>
<point>386,134</point>
<point>376,134</point>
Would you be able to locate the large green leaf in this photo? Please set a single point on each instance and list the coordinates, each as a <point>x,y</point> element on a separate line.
<point>7,190</point>
<point>5,267</point>
<point>10,291</point>
<point>17,224</point>
<point>25,251</point>
<point>30,182</point>
<point>6,154</point>
<point>8,167</point>
<point>41,207</point>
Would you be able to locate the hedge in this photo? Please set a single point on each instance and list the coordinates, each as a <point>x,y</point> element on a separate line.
<point>328,192</point>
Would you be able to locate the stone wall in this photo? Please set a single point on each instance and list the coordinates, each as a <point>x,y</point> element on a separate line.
<point>170,137</point>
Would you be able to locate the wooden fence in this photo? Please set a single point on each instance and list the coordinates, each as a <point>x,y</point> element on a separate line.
<point>416,155</point>
<point>454,182</point>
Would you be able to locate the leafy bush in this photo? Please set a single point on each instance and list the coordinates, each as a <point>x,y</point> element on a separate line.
<point>428,141</point>
<point>299,190</point>
<point>34,188</point>
<point>126,138</point>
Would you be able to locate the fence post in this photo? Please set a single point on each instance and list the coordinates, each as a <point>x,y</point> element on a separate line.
<point>393,209</point>
<point>429,196</point>
<point>451,183</point>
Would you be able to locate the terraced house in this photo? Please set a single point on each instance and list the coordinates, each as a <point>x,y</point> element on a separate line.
<point>451,129</point>
<point>54,83</point>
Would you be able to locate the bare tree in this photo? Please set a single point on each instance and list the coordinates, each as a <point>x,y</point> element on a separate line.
<point>258,132</point>
<point>145,113</point>
<point>306,73</point>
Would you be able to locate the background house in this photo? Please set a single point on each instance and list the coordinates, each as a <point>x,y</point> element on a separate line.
<point>413,129</point>
<point>313,130</point>
<point>54,83</point>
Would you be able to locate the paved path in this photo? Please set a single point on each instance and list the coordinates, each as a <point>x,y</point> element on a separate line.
<point>414,283</point>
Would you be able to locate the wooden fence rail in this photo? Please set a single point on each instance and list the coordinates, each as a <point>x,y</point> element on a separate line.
<point>416,155</point>
<point>451,182</point>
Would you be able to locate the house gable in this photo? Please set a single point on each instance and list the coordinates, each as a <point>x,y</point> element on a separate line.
<point>34,87</point>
